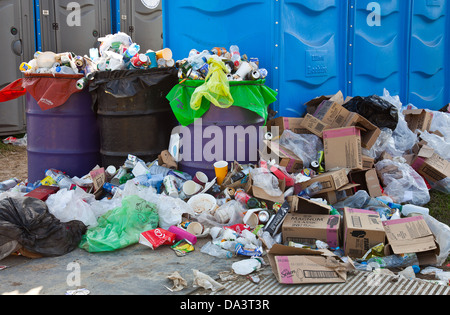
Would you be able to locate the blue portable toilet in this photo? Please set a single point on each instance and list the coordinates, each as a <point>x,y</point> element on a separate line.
<point>318,47</point>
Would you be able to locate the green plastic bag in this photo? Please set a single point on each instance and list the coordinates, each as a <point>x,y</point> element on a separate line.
<point>121,227</point>
<point>252,95</point>
<point>216,88</point>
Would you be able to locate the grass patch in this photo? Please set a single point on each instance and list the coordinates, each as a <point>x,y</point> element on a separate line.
<point>440,206</point>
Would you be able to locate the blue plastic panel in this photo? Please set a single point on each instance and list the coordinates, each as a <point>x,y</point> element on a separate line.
<point>312,48</point>
<point>428,87</point>
<point>378,57</point>
<point>317,47</point>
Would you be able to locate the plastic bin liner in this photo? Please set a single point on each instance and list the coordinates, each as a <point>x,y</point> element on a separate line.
<point>251,95</point>
<point>121,227</point>
<point>128,83</point>
<point>12,91</point>
<point>377,110</point>
<point>51,91</point>
<point>29,222</point>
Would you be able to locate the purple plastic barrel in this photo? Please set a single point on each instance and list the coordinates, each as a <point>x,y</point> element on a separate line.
<point>234,131</point>
<point>66,138</point>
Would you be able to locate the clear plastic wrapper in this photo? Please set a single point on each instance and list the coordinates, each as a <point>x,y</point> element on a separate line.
<point>305,146</point>
<point>402,183</point>
<point>262,178</point>
<point>438,143</point>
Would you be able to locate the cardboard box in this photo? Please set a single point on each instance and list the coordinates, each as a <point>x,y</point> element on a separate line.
<point>305,206</point>
<point>165,159</point>
<point>332,114</point>
<point>368,181</point>
<point>43,192</point>
<point>292,265</point>
<point>368,162</point>
<point>431,165</point>
<point>418,119</point>
<point>314,125</point>
<point>369,132</point>
<point>411,235</point>
<point>333,197</point>
<point>342,148</point>
<point>261,194</point>
<point>287,123</point>
<point>312,105</point>
<point>330,181</point>
<point>285,157</point>
<point>363,229</point>
<point>308,228</point>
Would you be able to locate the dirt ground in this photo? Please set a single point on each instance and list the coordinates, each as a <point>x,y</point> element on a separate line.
<point>14,163</point>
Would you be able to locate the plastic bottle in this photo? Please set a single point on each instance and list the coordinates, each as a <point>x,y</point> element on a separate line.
<point>246,267</point>
<point>216,251</point>
<point>410,209</point>
<point>235,55</point>
<point>9,184</point>
<point>64,70</point>
<point>311,191</point>
<point>394,261</point>
<point>159,170</point>
<point>132,51</point>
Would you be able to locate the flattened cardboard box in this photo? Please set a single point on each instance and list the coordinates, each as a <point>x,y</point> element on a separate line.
<point>287,123</point>
<point>308,228</point>
<point>330,181</point>
<point>363,229</point>
<point>342,148</point>
<point>292,265</point>
<point>409,235</point>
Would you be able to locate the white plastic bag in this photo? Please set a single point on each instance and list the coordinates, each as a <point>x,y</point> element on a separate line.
<point>439,144</point>
<point>171,210</point>
<point>441,232</point>
<point>72,205</point>
<point>402,183</point>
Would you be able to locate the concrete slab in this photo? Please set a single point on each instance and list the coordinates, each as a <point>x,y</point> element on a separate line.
<point>136,270</point>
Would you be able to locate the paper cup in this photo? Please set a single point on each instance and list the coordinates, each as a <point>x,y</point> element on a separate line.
<point>221,169</point>
<point>195,228</point>
<point>201,179</point>
<point>251,219</point>
<point>165,54</point>
<point>191,188</point>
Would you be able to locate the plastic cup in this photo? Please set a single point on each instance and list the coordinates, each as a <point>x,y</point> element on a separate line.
<point>221,169</point>
<point>195,228</point>
<point>191,188</point>
<point>165,54</point>
<point>201,179</point>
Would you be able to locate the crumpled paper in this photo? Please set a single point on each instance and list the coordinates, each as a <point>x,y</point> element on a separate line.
<point>206,282</point>
<point>179,283</point>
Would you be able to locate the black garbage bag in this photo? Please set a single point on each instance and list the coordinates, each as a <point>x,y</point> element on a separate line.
<point>129,83</point>
<point>378,111</point>
<point>28,222</point>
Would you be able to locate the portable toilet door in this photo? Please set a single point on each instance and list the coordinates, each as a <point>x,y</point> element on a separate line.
<point>18,44</point>
<point>68,26</point>
<point>142,20</point>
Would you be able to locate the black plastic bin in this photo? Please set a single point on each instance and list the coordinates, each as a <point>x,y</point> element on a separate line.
<point>133,113</point>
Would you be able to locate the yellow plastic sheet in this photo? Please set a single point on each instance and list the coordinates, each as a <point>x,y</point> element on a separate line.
<point>216,88</point>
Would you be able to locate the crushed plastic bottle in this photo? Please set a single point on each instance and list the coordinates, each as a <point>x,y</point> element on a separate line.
<point>394,261</point>
<point>216,251</point>
<point>9,184</point>
<point>311,191</point>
